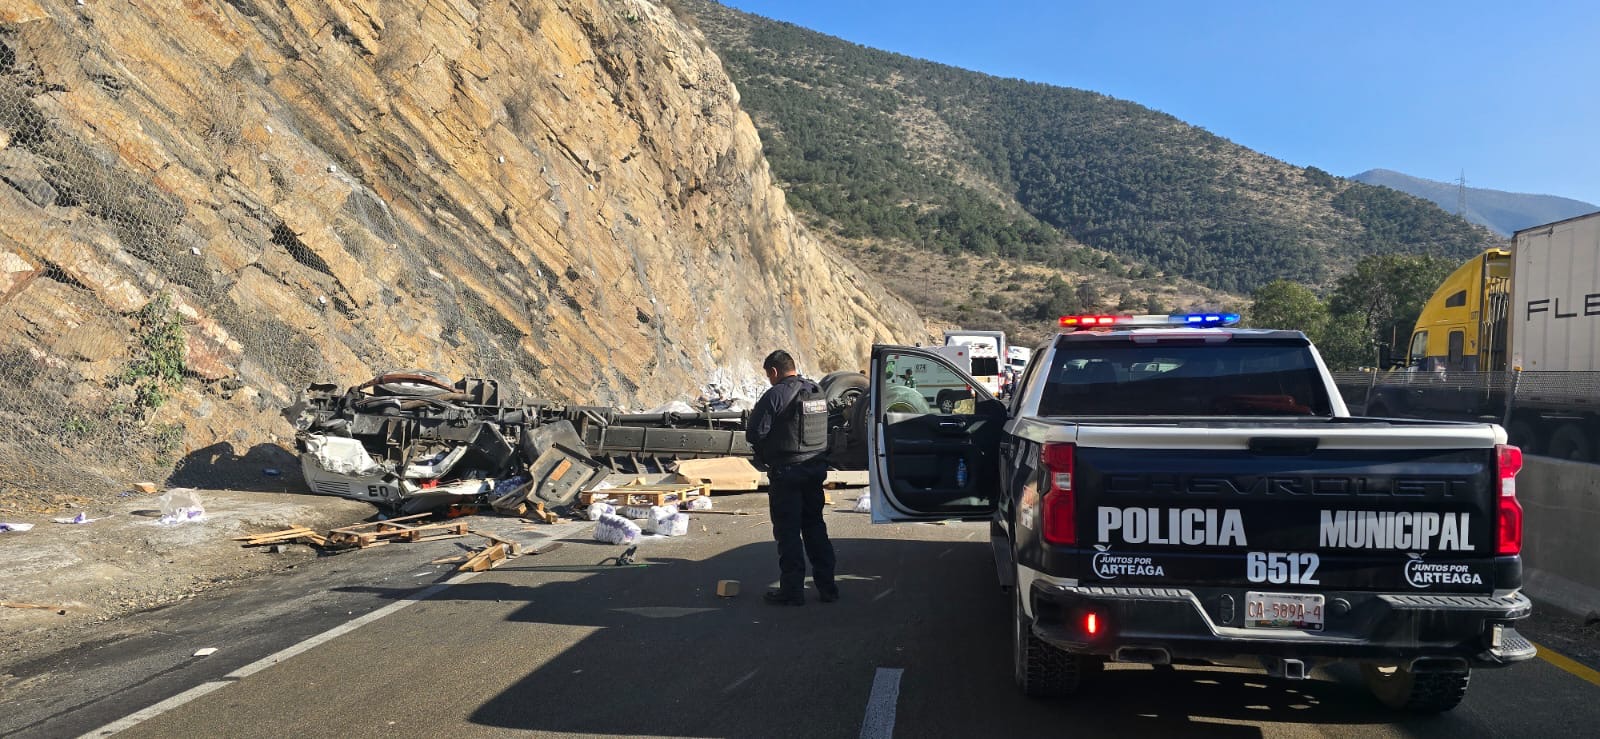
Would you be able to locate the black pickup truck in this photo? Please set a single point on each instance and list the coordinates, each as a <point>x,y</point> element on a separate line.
<point>1167,490</point>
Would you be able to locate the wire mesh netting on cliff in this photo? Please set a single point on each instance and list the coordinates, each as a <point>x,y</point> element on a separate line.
<point>159,298</point>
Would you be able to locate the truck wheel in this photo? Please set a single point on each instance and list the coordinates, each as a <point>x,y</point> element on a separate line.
<point>842,388</point>
<point>1426,692</point>
<point>1041,669</point>
<point>1522,434</point>
<point>1571,443</point>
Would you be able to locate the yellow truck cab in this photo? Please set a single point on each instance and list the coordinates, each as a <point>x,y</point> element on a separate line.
<point>1462,328</point>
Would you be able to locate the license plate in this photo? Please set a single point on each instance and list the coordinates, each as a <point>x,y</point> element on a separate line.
<point>1283,611</point>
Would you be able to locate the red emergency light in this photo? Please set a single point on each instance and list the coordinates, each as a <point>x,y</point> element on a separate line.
<point>1088,321</point>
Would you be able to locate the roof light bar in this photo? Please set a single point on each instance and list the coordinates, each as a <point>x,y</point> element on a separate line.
<point>1186,320</point>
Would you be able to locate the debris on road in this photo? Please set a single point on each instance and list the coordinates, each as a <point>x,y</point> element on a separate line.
<point>667,521</point>
<point>363,535</point>
<point>148,488</point>
<point>207,652</point>
<point>293,534</point>
<point>724,474</point>
<point>727,588</point>
<point>622,560</point>
<point>34,606</point>
<point>81,518</point>
<point>614,529</point>
<point>864,504</point>
<point>647,495</point>
<point>18,527</point>
<point>180,505</point>
<point>485,559</point>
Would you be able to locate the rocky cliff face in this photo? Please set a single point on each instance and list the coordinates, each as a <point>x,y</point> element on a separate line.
<point>205,205</point>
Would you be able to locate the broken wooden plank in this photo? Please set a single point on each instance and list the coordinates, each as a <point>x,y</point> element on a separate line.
<point>36,606</point>
<point>485,559</point>
<point>512,548</point>
<point>272,534</point>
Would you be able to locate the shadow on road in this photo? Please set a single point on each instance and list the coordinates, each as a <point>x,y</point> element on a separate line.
<point>667,657</point>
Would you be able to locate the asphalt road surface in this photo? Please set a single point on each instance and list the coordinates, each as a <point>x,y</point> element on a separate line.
<point>559,644</point>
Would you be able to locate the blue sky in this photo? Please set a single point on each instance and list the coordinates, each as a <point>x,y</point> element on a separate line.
<point>1507,91</point>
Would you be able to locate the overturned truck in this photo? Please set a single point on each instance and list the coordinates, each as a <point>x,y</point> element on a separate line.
<point>414,440</point>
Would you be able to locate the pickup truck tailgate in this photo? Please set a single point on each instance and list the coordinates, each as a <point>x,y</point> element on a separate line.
<point>1342,506</point>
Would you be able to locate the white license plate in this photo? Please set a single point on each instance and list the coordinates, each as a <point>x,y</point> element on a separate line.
<point>1283,611</point>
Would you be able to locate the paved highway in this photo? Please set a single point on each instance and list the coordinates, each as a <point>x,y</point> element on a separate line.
<point>560,645</point>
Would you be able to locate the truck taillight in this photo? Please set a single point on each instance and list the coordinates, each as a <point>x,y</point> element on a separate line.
<point>1508,518</point>
<point>1059,507</point>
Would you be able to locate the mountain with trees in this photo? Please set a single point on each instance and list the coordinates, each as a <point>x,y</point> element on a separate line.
<point>879,146</point>
<point>1503,212</point>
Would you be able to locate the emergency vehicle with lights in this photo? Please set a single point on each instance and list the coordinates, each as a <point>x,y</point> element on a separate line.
<point>1175,490</point>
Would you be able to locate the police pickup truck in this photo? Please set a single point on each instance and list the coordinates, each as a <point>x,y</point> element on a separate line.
<point>1167,489</point>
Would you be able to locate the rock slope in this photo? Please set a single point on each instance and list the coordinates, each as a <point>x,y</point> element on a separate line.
<point>206,204</point>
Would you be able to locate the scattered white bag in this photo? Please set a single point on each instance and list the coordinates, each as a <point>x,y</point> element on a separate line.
<point>634,511</point>
<point>601,508</point>
<point>614,529</point>
<point>864,504</point>
<point>678,525</point>
<point>667,521</point>
<point>700,504</point>
<point>181,504</point>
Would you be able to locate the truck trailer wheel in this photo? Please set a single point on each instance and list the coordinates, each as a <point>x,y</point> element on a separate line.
<point>1524,435</point>
<point>1424,692</point>
<point>1041,670</point>
<point>1570,442</point>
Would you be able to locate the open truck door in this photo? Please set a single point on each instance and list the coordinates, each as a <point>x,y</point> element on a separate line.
<point>933,439</point>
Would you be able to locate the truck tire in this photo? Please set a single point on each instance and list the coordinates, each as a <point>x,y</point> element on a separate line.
<point>842,388</point>
<point>1426,692</point>
<point>1524,435</point>
<point>1041,669</point>
<point>1570,442</point>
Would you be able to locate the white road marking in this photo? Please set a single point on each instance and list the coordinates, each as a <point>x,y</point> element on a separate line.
<point>197,691</point>
<point>879,723</point>
<point>741,681</point>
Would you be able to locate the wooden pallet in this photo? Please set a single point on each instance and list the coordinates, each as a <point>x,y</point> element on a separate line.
<point>395,529</point>
<point>651,495</point>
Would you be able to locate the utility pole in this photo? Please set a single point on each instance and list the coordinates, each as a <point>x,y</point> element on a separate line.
<point>1461,195</point>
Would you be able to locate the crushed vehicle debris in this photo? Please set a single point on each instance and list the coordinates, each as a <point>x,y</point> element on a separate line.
<point>414,440</point>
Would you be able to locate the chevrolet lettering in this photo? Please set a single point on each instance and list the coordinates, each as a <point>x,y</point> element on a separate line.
<point>1170,489</point>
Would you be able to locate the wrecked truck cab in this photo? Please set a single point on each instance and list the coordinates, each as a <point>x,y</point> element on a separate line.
<point>410,440</point>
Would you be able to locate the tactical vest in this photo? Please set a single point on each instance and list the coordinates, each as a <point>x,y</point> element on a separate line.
<point>800,432</point>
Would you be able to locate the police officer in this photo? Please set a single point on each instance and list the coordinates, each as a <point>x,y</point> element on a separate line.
<point>788,430</point>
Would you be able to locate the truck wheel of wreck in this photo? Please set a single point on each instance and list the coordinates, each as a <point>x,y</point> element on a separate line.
<point>854,455</point>
<point>1425,692</point>
<point>842,388</point>
<point>1041,670</point>
<point>1571,443</point>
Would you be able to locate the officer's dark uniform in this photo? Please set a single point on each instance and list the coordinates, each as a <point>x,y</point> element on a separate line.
<point>789,431</point>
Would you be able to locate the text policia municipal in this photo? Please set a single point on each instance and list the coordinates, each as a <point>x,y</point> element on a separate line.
<point>1404,530</point>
